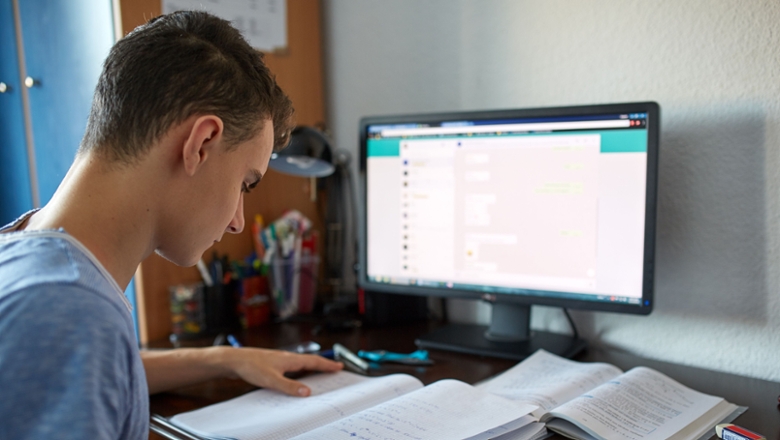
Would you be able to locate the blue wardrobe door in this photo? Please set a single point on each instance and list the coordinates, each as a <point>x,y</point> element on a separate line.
<point>15,189</point>
<point>65,44</point>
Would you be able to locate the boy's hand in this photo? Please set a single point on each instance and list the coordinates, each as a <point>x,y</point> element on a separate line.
<point>266,368</point>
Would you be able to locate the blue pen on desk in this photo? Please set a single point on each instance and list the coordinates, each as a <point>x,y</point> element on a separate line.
<point>233,341</point>
<point>419,357</point>
<point>327,354</point>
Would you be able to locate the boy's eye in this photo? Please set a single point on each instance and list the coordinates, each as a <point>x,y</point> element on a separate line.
<point>247,188</point>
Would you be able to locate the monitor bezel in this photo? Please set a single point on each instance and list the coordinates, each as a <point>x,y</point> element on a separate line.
<point>531,297</point>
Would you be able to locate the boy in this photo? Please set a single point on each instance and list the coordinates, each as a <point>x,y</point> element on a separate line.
<point>183,122</point>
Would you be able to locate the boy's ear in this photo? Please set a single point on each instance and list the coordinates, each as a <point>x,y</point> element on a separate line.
<point>204,138</point>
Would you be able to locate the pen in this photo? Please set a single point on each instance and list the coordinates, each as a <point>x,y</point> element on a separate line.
<point>219,340</point>
<point>419,357</point>
<point>327,354</point>
<point>204,273</point>
<point>343,352</point>
<point>233,341</point>
<point>349,366</point>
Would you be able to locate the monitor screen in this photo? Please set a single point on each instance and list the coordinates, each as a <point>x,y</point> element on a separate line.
<point>552,206</point>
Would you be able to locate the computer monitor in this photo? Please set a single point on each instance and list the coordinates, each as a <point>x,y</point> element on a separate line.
<point>547,206</point>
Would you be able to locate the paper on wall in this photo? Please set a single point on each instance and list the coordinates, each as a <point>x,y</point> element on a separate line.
<point>262,22</point>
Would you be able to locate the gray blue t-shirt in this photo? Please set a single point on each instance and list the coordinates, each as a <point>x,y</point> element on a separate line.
<point>69,362</point>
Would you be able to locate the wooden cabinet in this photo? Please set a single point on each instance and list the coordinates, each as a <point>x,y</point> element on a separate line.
<point>298,70</point>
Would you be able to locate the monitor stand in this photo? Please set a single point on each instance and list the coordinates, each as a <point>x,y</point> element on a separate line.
<point>509,336</point>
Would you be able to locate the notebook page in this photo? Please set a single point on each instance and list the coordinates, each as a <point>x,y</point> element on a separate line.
<point>547,381</point>
<point>640,404</point>
<point>268,414</point>
<point>514,428</point>
<point>531,431</point>
<point>706,422</point>
<point>445,410</point>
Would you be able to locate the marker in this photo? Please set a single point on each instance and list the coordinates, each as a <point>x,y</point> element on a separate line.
<point>342,351</point>
<point>734,432</point>
<point>233,341</point>
<point>327,354</point>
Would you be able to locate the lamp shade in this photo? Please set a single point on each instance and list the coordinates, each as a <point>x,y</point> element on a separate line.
<point>307,155</point>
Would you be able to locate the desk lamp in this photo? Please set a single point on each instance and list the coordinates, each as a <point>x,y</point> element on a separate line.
<point>307,155</point>
<point>310,154</point>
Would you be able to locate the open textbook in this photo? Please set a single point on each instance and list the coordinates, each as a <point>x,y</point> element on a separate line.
<point>599,401</point>
<point>350,406</point>
<point>578,400</point>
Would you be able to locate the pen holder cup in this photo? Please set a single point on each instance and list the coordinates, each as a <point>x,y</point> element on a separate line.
<point>254,304</point>
<point>294,284</point>
<point>220,303</point>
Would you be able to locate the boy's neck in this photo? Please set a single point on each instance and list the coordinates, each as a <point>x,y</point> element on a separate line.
<point>110,211</point>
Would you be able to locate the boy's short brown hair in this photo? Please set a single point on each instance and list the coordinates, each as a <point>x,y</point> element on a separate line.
<point>176,66</point>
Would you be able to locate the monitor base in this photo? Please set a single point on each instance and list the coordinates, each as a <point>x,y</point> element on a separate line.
<point>470,339</point>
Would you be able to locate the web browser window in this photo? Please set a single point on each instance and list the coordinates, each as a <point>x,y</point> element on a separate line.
<point>510,206</point>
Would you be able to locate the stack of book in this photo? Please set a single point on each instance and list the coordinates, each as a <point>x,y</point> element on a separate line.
<point>544,392</point>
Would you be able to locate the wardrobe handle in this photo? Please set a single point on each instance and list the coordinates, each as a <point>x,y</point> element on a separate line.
<point>30,82</point>
<point>3,87</point>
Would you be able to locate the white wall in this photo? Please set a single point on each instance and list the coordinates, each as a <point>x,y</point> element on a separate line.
<point>712,65</point>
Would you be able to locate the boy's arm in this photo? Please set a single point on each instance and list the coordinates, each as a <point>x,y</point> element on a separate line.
<point>169,369</point>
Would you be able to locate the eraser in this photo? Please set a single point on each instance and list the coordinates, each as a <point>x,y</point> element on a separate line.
<point>734,432</point>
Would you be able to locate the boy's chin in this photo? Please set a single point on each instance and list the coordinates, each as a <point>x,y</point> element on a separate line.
<point>180,260</point>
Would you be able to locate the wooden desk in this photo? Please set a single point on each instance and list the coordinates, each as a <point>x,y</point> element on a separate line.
<point>759,395</point>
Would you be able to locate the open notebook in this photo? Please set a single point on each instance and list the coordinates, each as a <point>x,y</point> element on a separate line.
<point>347,405</point>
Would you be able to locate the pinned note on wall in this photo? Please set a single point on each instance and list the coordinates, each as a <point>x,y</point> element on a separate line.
<point>262,22</point>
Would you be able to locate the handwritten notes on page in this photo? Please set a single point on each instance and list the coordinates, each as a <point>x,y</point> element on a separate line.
<point>268,414</point>
<point>640,404</point>
<point>444,410</point>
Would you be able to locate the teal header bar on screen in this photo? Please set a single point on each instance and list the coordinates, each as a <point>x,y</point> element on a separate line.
<point>612,141</point>
<point>624,141</point>
<point>384,147</point>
